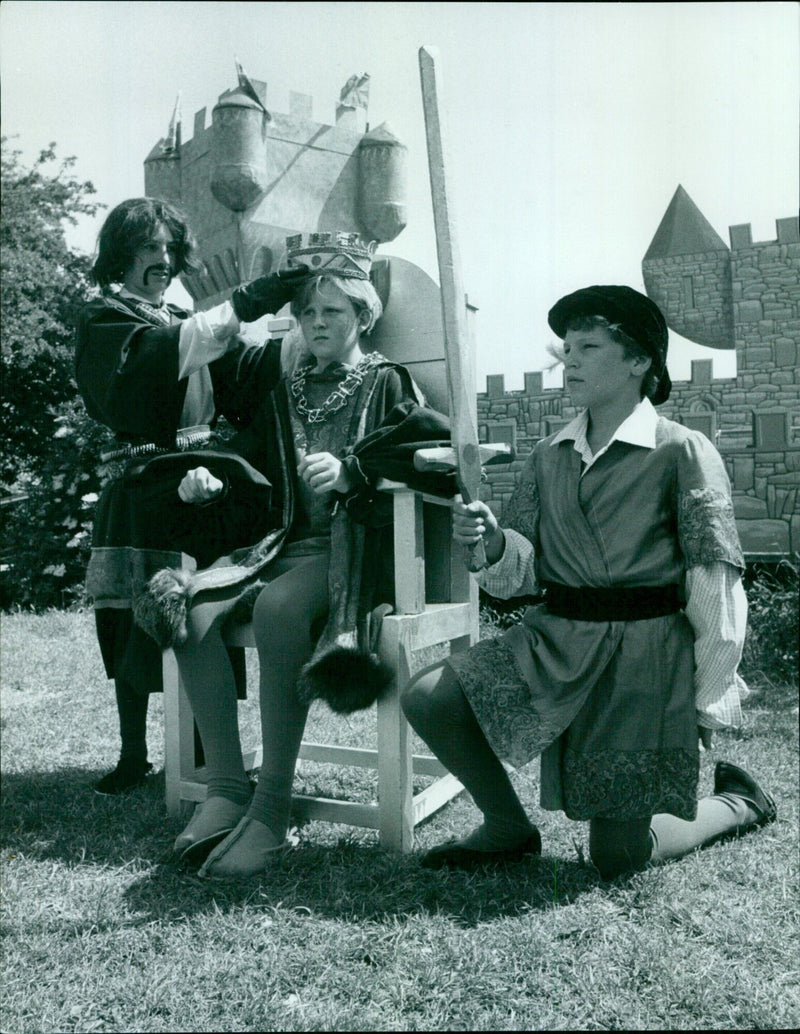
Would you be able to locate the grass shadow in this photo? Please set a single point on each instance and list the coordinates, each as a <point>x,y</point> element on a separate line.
<point>57,816</point>
<point>359,882</point>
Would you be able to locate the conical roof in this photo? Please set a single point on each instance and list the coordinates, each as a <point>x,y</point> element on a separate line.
<point>684,230</point>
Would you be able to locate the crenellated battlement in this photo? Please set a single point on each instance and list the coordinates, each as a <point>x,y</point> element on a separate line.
<point>350,109</point>
<point>747,298</point>
<point>787,231</point>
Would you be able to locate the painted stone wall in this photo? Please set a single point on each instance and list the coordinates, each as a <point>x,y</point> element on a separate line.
<point>754,418</point>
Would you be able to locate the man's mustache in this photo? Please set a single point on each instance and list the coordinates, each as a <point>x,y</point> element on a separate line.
<point>157,269</point>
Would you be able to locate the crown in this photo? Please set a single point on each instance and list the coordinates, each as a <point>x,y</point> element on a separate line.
<point>340,253</point>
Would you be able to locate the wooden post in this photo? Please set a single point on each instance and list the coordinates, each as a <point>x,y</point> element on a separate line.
<point>395,765</point>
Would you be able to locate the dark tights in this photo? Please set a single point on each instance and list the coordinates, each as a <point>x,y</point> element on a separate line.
<point>285,612</point>
<point>132,708</point>
<point>436,707</point>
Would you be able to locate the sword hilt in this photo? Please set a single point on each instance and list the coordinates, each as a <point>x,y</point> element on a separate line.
<point>474,555</point>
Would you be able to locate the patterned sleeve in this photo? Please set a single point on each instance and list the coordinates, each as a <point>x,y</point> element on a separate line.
<point>521,513</point>
<point>706,526</point>
<point>717,611</point>
<point>514,574</point>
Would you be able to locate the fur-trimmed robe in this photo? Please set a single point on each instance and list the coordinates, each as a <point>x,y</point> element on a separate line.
<point>388,422</point>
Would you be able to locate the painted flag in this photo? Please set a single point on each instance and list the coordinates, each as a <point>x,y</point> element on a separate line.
<point>246,86</point>
<point>355,92</point>
<point>172,142</point>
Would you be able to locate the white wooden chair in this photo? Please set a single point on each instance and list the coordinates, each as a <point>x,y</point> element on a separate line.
<point>423,573</point>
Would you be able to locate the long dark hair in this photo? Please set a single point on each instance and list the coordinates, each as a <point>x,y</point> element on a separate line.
<point>130,225</point>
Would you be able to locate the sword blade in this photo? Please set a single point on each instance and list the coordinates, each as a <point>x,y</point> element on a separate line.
<point>458,352</point>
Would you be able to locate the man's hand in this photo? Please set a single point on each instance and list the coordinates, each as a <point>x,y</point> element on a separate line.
<point>267,294</point>
<point>705,736</point>
<point>199,485</point>
<point>473,521</point>
<point>322,472</point>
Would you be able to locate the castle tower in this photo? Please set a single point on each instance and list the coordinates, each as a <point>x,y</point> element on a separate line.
<point>275,174</point>
<point>382,190</point>
<point>687,273</point>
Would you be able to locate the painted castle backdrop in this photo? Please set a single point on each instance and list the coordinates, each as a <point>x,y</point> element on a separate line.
<point>252,177</point>
<point>746,297</point>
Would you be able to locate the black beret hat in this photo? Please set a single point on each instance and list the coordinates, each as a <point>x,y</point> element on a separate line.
<point>637,316</point>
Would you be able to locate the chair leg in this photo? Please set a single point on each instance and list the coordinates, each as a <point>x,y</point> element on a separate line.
<point>180,735</point>
<point>395,766</point>
<point>172,733</point>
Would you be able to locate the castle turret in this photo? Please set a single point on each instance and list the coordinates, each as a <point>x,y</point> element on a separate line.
<point>382,183</point>
<point>162,167</point>
<point>239,150</point>
<point>273,174</point>
<point>687,273</point>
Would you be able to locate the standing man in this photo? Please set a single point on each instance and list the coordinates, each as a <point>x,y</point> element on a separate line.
<point>159,378</point>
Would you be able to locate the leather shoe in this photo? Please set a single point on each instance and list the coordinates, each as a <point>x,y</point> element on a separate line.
<point>455,855</point>
<point>212,821</point>
<point>127,776</point>
<point>729,778</point>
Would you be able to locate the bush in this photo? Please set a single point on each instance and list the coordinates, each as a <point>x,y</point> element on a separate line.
<point>770,646</point>
<point>46,538</point>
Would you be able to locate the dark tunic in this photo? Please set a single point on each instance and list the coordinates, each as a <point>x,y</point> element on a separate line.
<point>385,422</point>
<point>126,366</point>
<point>610,705</point>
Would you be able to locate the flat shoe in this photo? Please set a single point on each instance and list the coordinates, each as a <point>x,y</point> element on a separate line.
<point>729,778</point>
<point>245,867</point>
<point>196,853</point>
<point>212,821</point>
<point>454,855</point>
<point>127,776</point>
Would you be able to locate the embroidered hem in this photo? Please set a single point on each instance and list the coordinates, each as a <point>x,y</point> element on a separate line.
<point>626,785</point>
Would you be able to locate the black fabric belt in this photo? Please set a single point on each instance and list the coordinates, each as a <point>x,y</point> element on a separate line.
<point>616,603</point>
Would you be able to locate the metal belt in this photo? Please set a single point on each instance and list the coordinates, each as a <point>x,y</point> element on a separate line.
<point>187,438</point>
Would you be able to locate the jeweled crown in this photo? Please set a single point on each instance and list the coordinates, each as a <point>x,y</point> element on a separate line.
<point>339,253</point>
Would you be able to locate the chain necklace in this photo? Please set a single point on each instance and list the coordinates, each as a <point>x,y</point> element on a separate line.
<point>147,310</point>
<point>340,395</point>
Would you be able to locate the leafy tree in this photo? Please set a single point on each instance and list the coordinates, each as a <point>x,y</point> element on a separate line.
<point>49,447</point>
<point>47,535</point>
<point>43,284</point>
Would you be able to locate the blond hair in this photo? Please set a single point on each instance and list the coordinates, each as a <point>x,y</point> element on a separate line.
<point>361,293</point>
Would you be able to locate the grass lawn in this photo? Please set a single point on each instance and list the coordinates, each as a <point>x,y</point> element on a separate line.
<point>103,932</point>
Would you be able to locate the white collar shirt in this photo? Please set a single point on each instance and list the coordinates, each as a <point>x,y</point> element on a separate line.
<point>637,429</point>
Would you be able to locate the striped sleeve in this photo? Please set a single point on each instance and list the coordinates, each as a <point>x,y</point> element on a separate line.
<point>514,573</point>
<point>717,611</point>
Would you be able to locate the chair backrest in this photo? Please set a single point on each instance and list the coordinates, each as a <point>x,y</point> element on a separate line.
<point>411,330</point>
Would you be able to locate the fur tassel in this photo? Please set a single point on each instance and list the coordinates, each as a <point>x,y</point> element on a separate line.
<point>160,610</point>
<point>346,679</point>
